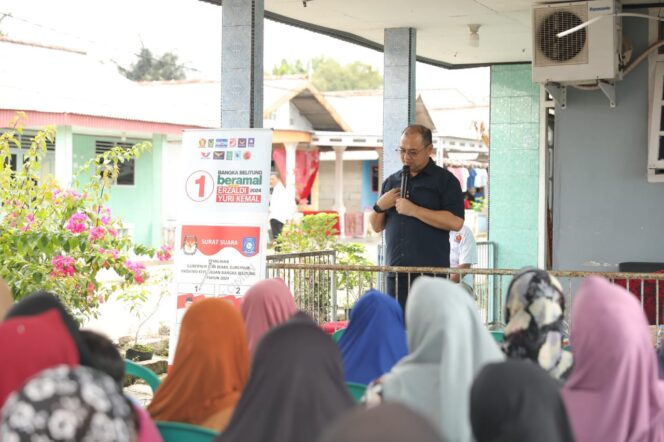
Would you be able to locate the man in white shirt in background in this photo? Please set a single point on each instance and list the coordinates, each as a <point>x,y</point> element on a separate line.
<point>282,206</point>
<point>463,255</point>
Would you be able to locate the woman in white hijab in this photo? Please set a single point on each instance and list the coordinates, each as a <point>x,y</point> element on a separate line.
<point>448,345</point>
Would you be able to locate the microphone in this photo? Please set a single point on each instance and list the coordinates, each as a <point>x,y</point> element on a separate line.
<point>405,175</point>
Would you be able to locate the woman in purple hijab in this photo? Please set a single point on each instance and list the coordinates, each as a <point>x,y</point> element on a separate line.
<point>613,392</point>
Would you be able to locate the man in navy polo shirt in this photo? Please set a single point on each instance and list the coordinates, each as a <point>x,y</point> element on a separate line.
<point>417,224</point>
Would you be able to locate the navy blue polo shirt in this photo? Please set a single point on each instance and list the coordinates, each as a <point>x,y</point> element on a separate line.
<point>410,242</point>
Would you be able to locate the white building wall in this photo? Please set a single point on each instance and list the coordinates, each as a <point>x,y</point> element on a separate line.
<point>287,116</point>
<point>352,185</point>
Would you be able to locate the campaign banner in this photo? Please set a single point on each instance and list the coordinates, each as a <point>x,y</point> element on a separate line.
<point>223,206</point>
<point>226,171</point>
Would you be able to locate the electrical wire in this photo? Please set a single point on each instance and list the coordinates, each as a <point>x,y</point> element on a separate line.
<point>593,20</point>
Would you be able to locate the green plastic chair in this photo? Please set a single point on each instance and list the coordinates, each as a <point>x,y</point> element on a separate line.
<point>179,432</point>
<point>498,335</point>
<point>356,390</point>
<point>336,336</point>
<point>149,376</point>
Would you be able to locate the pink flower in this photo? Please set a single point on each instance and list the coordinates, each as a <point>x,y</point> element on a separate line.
<point>114,253</point>
<point>77,223</point>
<point>164,253</point>
<point>112,232</point>
<point>63,266</point>
<point>73,194</point>
<point>29,220</point>
<point>134,266</point>
<point>106,217</point>
<point>97,233</point>
<point>138,270</point>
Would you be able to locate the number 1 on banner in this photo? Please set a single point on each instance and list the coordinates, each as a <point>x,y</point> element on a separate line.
<point>200,186</point>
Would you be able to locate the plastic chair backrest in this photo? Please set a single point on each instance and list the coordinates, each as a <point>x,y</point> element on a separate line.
<point>498,335</point>
<point>356,390</point>
<point>179,432</point>
<point>149,376</point>
<point>336,336</point>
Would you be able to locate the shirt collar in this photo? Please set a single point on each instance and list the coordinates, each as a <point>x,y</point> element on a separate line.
<point>429,168</point>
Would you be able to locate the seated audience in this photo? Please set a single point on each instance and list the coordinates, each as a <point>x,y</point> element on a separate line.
<point>448,346</point>
<point>534,311</point>
<point>210,367</point>
<point>30,345</point>
<point>42,301</point>
<point>266,304</point>
<point>375,338</point>
<point>37,334</point>
<point>108,358</point>
<point>517,401</point>
<point>613,392</point>
<point>383,423</point>
<point>73,404</point>
<point>296,387</point>
<point>105,355</point>
<point>6,299</point>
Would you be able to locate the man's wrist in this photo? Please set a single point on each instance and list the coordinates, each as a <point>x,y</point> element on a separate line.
<point>378,209</point>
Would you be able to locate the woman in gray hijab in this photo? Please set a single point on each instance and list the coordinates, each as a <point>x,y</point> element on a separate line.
<point>448,345</point>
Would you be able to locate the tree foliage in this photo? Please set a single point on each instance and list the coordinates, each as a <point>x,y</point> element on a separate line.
<point>149,67</point>
<point>59,239</point>
<point>328,75</point>
<point>287,68</point>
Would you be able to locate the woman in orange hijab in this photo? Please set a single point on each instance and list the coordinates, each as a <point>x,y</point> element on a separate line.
<point>210,367</point>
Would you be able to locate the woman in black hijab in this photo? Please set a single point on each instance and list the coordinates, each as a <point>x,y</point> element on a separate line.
<point>387,422</point>
<point>295,389</point>
<point>43,301</point>
<point>517,401</point>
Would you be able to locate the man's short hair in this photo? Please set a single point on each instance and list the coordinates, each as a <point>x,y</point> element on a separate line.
<point>423,131</point>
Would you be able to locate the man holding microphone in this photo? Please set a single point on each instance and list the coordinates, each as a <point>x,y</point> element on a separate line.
<point>418,207</point>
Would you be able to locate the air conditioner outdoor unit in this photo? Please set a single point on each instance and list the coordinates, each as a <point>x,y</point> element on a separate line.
<point>585,56</point>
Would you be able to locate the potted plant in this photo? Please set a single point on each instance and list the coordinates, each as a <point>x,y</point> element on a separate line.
<point>139,352</point>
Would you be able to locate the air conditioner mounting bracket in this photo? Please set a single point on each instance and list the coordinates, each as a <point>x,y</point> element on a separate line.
<point>609,90</point>
<point>558,92</point>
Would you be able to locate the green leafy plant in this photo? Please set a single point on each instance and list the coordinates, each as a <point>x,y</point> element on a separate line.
<point>479,204</point>
<point>60,239</point>
<point>313,288</point>
<point>136,296</point>
<point>142,348</point>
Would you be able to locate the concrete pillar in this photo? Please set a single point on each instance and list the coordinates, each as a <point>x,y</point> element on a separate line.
<point>339,187</point>
<point>291,149</point>
<point>242,64</point>
<point>398,92</point>
<point>64,155</point>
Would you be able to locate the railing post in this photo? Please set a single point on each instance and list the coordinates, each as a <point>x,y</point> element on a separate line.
<point>333,289</point>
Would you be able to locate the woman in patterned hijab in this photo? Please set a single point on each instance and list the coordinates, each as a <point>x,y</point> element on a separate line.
<point>535,322</point>
<point>68,404</point>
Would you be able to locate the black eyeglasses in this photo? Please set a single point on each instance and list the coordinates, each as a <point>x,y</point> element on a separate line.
<point>411,153</point>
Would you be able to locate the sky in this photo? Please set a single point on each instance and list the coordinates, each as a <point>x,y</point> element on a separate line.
<point>192,30</point>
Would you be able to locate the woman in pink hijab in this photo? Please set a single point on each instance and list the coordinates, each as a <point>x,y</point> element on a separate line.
<point>266,304</point>
<point>613,392</point>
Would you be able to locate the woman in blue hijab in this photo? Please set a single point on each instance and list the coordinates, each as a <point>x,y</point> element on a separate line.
<point>375,339</point>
